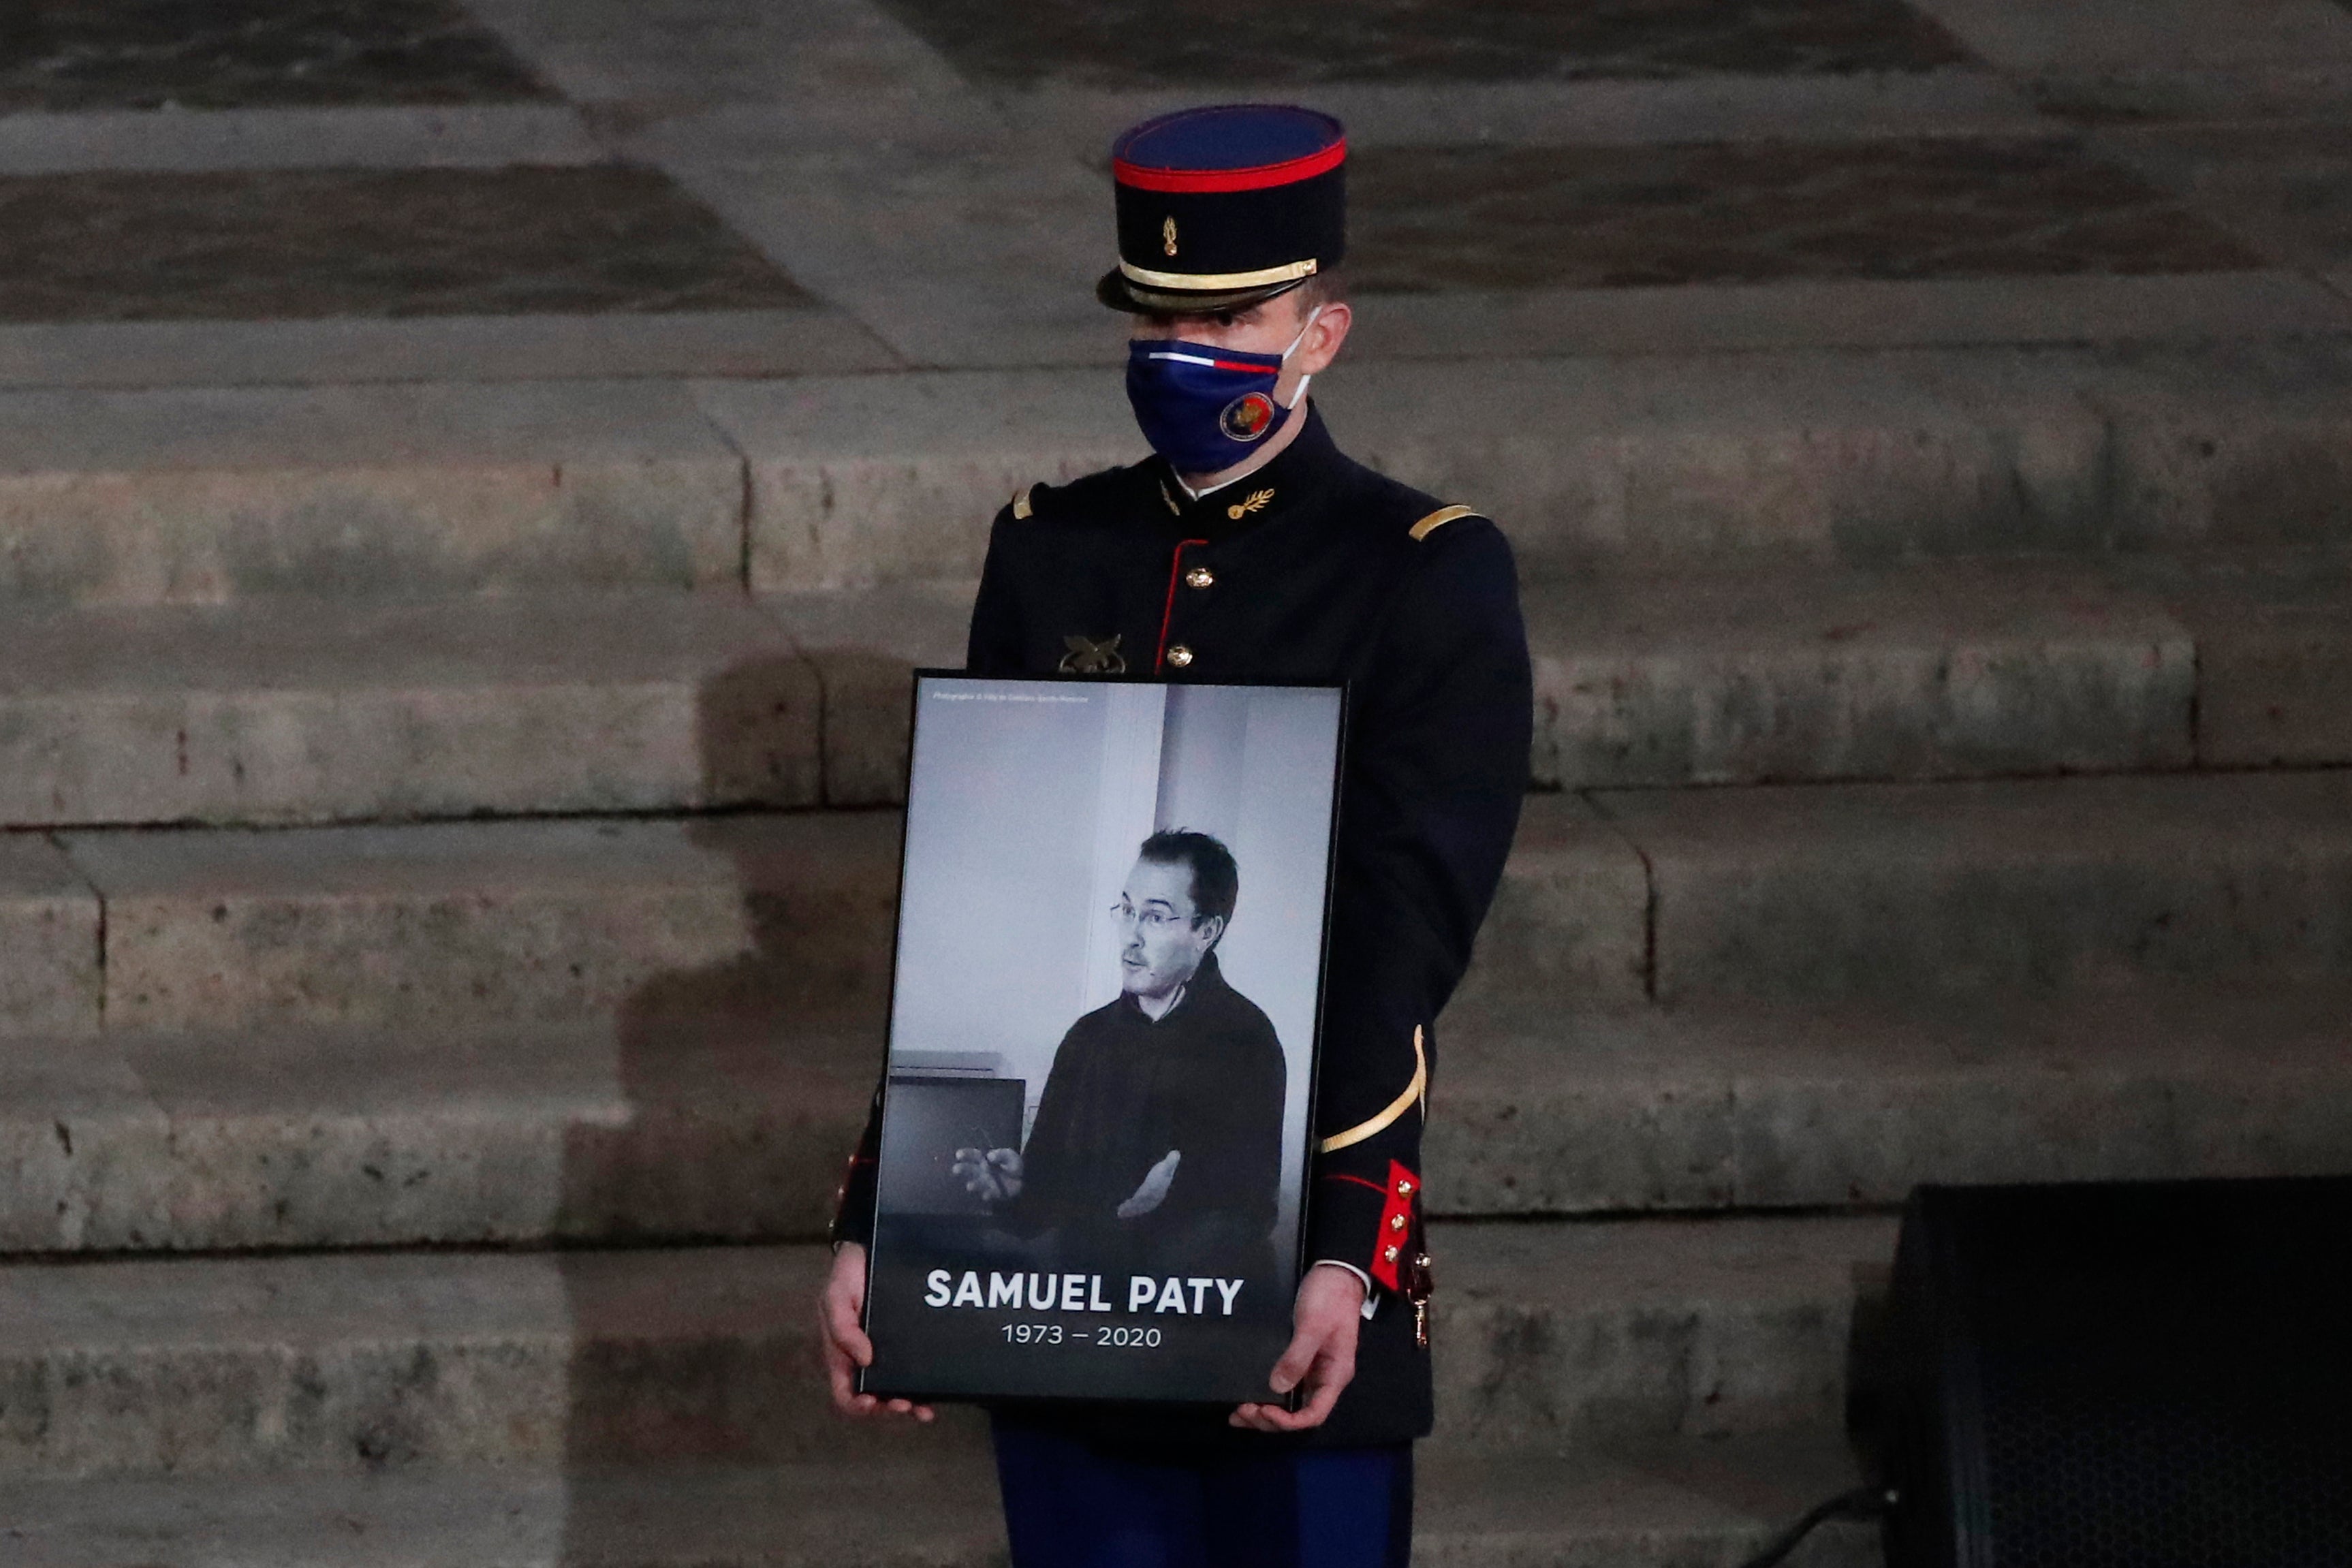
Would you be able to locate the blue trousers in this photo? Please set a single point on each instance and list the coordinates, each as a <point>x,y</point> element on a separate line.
<point>1068,1505</point>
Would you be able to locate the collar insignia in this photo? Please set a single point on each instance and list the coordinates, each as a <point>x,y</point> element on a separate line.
<point>1168,235</point>
<point>1256,502</point>
<point>1090,657</point>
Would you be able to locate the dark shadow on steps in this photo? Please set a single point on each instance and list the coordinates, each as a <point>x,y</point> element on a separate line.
<point>868,720</point>
<point>759,729</point>
<point>738,1091</point>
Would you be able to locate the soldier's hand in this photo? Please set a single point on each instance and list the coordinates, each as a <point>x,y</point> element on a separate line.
<point>847,1347</point>
<point>1322,1354</point>
<point>993,1177</point>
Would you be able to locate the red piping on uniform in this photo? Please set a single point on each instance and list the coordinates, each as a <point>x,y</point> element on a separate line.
<point>1175,567</point>
<point>1337,1177</point>
<point>1201,181</point>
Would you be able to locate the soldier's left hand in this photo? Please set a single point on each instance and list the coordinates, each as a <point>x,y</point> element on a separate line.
<point>1322,1354</point>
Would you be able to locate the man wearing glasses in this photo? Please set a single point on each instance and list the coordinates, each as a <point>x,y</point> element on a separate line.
<point>1158,1141</point>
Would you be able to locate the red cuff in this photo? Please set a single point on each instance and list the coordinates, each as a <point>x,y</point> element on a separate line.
<point>1395,1239</point>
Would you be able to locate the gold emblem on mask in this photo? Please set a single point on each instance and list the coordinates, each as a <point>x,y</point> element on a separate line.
<point>1168,235</point>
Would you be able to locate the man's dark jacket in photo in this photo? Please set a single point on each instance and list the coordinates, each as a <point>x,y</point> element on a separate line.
<point>1206,1081</point>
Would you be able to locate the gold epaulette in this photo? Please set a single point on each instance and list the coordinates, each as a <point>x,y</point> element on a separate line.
<point>1418,1090</point>
<point>1439,519</point>
<point>1020,502</point>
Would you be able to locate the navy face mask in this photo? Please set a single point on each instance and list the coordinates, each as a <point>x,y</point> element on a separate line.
<point>1205,408</point>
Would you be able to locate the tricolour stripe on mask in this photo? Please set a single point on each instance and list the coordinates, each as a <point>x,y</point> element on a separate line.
<point>1197,359</point>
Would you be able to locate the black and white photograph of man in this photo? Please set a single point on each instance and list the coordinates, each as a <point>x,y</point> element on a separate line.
<point>1158,1141</point>
<point>1102,1035</point>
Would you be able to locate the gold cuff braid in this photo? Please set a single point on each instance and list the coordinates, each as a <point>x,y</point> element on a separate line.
<point>1418,1090</point>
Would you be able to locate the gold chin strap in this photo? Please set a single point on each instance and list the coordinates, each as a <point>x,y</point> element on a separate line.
<point>1205,282</point>
<point>1418,1090</point>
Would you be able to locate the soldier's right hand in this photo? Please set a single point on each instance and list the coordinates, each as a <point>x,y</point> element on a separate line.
<point>993,1177</point>
<point>846,1348</point>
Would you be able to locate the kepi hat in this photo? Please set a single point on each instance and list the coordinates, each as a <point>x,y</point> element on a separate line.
<point>1222,206</point>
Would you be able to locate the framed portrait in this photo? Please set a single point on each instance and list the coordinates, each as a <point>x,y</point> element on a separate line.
<point>1109,981</point>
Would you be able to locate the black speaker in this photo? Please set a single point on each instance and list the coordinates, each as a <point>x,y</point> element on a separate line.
<point>2141,1376</point>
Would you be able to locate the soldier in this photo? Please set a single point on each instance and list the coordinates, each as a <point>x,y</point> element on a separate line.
<point>1248,548</point>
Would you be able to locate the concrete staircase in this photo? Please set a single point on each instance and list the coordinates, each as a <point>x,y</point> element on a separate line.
<point>449,761</point>
<point>454,821</point>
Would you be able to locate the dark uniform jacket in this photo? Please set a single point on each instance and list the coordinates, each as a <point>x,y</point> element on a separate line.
<point>1314,569</point>
<point>1206,1081</point>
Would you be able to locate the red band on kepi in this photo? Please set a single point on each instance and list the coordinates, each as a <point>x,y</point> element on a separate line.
<point>1257,179</point>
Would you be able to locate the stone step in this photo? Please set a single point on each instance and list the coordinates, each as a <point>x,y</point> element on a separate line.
<point>444,924</point>
<point>290,710</point>
<point>1703,1502</point>
<point>367,1361</point>
<point>1930,671</point>
<point>1855,457</point>
<point>1672,1507</point>
<point>401,492</point>
<point>1570,1333</point>
<point>310,711</point>
<point>1823,890</point>
<point>2031,885</point>
<point>702,1128</point>
<point>1927,669</point>
<point>1752,1105</point>
<point>1561,1333</point>
<point>198,496</point>
<point>711,1127</point>
<point>52,953</point>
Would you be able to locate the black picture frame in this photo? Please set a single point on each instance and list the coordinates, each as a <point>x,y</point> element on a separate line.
<point>936,1301</point>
